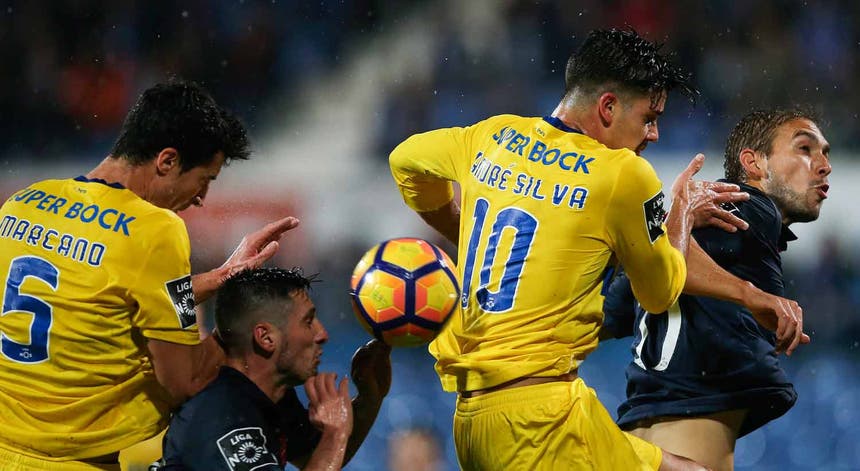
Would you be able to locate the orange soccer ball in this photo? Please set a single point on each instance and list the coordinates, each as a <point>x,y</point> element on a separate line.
<point>404,290</point>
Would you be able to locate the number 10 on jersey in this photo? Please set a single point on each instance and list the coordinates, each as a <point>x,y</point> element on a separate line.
<point>524,226</point>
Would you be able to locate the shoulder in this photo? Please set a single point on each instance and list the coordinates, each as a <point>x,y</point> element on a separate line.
<point>634,179</point>
<point>760,211</point>
<point>219,407</point>
<point>502,122</point>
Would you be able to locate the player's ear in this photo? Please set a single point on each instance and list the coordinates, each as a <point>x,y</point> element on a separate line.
<point>167,160</point>
<point>264,337</point>
<point>753,164</point>
<point>607,104</point>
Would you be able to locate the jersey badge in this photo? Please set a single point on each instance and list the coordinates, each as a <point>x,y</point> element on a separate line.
<point>654,216</point>
<point>182,297</point>
<point>244,449</point>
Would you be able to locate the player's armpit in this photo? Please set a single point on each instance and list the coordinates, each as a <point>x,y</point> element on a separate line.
<point>183,370</point>
<point>424,165</point>
<point>446,220</point>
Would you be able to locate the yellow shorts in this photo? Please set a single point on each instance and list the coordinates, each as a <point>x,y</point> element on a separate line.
<point>138,457</point>
<point>550,426</point>
<point>12,461</point>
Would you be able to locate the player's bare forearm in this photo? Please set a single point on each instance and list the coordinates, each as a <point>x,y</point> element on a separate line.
<point>330,451</point>
<point>205,285</point>
<point>706,278</point>
<point>446,220</point>
<point>364,410</point>
<point>371,373</point>
<point>183,370</point>
<point>254,249</point>
<point>679,223</point>
<point>780,315</point>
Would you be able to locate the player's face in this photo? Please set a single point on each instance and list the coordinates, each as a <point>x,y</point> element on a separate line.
<point>301,341</point>
<point>190,187</point>
<point>635,122</point>
<point>797,170</point>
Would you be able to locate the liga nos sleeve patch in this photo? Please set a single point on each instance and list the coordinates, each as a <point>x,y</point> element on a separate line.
<point>654,216</point>
<point>182,296</point>
<point>244,449</point>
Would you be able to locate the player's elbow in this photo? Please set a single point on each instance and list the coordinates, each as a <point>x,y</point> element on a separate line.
<point>399,157</point>
<point>659,300</point>
<point>654,307</point>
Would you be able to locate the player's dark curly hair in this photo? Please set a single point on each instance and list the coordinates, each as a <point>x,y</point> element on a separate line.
<point>624,61</point>
<point>180,115</point>
<point>756,131</point>
<point>246,298</point>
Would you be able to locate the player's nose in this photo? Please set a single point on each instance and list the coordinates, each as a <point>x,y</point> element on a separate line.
<point>824,167</point>
<point>653,132</point>
<point>321,336</point>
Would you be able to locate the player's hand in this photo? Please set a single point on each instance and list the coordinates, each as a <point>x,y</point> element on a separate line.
<point>371,369</point>
<point>781,316</point>
<point>258,246</point>
<point>329,407</point>
<point>701,199</point>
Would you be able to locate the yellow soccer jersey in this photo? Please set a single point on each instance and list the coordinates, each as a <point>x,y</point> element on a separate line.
<point>89,270</point>
<point>545,209</point>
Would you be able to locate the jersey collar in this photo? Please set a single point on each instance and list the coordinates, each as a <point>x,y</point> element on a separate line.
<point>785,235</point>
<point>81,178</point>
<point>558,124</point>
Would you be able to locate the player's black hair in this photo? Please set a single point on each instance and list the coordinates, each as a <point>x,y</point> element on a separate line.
<point>756,131</point>
<point>184,116</point>
<point>246,298</point>
<point>624,61</point>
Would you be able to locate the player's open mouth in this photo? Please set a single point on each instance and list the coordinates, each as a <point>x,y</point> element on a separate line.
<point>822,190</point>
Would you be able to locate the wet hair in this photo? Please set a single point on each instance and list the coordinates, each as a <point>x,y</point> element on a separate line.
<point>184,116</point>
<point>246,298</point>
<point>756,131</point>
<point>624,61</point>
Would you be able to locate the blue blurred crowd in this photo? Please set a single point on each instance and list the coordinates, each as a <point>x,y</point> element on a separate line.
<point>740,54</point>
<point>72,68</point>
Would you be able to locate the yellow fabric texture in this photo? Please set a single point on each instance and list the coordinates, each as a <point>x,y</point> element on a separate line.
<point>544,213</point>
<point>87,270</point>
<point>550,426</point>
<point>12,461</point>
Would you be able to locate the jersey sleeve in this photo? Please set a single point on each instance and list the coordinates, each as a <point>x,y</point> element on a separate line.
<point>424,165</point>
<point>657,271</point>
<point>162,289</point>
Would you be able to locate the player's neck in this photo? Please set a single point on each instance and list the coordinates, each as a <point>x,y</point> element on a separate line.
<point>575,117</point>
<point>118,170</point>
<point>260,373</point>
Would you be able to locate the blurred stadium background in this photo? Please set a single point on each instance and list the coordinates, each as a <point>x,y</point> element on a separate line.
<point>328,87</point>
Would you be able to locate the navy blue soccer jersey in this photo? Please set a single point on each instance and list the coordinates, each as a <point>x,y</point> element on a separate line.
<point>706,355</point>
<point>232,425</point>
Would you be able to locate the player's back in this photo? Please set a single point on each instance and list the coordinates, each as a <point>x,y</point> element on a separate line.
<point>544,208</point>
<point>76,258</point>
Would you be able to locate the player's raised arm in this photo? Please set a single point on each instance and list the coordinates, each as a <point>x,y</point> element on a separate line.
<point>371,373</point>
<point>423,167</point>
<point>254,249</point>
